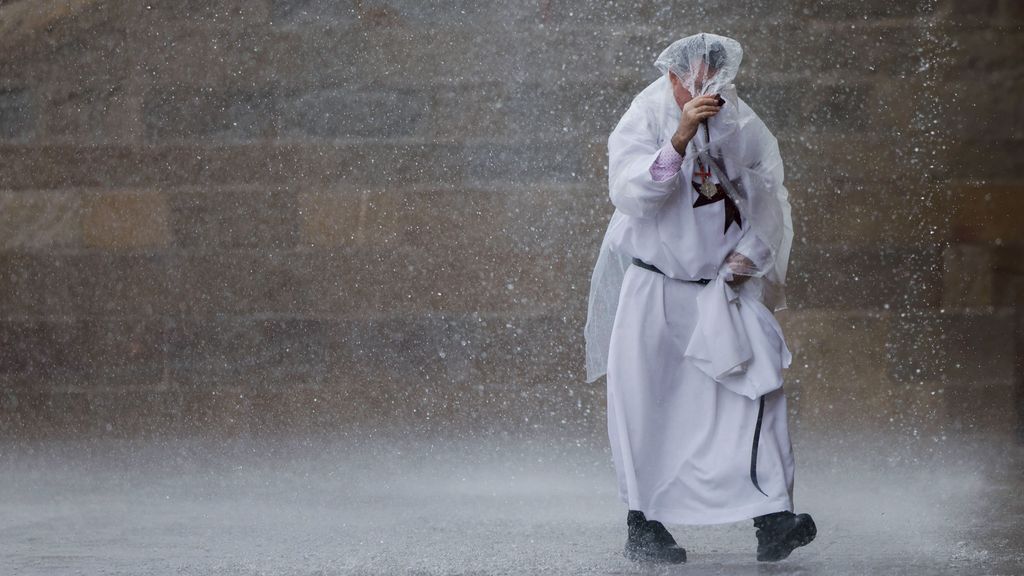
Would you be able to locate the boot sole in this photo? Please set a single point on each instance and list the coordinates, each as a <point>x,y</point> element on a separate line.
<point>654,557</point>
<point>793,541</point>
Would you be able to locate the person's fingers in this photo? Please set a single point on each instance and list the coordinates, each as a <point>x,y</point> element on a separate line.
<point>702,101</point>
<point>712,109</point>
<point>705,113</point>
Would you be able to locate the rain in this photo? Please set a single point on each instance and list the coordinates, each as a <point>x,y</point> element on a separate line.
<point>299,287</point>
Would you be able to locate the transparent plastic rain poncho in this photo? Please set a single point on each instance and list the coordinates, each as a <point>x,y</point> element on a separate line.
<point>741,146</point>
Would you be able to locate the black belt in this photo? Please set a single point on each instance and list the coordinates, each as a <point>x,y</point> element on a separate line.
<point>654,268</point>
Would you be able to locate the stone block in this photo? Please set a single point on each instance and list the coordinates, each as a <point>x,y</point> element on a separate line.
<point>831,10</point>
<point>216,351</point>
<point>988,213</point>
<point>520,162</point>
<point>37,285</point>
<point>85,284</point>
<point>97,354</point>
<point>968,272</point>
<point>240,282</point>
<point>982,51</point>
<point>960,347</point>
<point>810,157</point>
<point>40,348</point>
<point>226,218</point>
<point>1012,11</point>
<point>1008,258</point>
<point>17,115</point>
<point>980,408</point>
<point>74,44</point>
<point>133,413</point>
<point>973,9</point>
<point>407,281</point>
<point>856,51</point>
<point>44,414</point>
<point>549,220</point>
<point>985,115</point>
<point>839,107</point>
<point>778,103</point>
<point>398,13</point>
<point>351,164</point>
<point>407,355</point>
<point>156,15</point>
<point>411,280</point>
<point>233,53</point>
<point>285,12</point>
<point>305,59</point>
<point>414,13</point>
<point>561,221</point>
<point>867,211</point>
<point>848,277</point>
<point>119,220</point>
<point>332,217</point>
<point>121,353</point>
<point>409,358</point>
<point>268,163</point>
<point>843,378</point>
<point>89,114</point>
<point>837,379</point>
<point>608,14</point>
<point>101,166</point>
<point>987,160</point>
<point>300,410</point>
<point>1008,279</point>
<point>354,113</point>
<point>81,69</point>
<point>232,115</point>
<point>445,219</point>
<point>835,348</point>
<point>487,111</point>
<point>40,220</point>
<point>570,57</point>
<point>438,57</point>
<point>224,412</point>
<point>120,283</point>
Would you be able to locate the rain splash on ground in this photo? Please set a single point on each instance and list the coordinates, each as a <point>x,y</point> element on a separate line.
<point>482,505</point>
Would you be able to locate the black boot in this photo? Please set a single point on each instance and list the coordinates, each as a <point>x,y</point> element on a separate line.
<point>779,533</point>
<point>649,541</point>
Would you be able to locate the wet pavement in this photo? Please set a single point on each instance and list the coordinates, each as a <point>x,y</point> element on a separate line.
<point>491,505</point>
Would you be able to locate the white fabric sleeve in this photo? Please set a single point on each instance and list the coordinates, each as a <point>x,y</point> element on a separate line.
<point>632,149</point>
<point>755,249</point>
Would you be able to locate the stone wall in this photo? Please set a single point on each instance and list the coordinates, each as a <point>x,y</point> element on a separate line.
<point>275,216</point>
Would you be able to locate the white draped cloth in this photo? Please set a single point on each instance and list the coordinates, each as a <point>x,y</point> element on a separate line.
<point>696,411</point>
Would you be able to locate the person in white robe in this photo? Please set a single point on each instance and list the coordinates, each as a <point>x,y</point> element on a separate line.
<point>680,316</point>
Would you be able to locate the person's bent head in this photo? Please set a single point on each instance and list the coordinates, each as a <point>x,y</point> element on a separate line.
<point>700,73</point>
<point>693,62</point>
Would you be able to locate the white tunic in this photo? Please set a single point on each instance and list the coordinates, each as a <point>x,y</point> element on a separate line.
<point>688,449</point>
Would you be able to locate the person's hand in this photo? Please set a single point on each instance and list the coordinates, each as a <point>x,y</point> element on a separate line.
<point>694,111</point>
<point>742,268</point>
